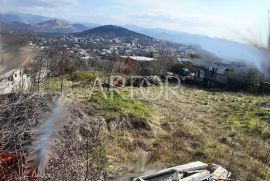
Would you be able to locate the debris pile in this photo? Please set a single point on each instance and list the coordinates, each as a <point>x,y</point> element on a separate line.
<point>195,171</point>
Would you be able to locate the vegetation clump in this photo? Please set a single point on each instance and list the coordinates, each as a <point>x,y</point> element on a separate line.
<point>82,76</point>
<point>252,120</point>
<point>119,104</point>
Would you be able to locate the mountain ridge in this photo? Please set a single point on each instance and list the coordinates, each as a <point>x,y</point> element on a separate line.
<point>11,16</point>
<point>36,23</point>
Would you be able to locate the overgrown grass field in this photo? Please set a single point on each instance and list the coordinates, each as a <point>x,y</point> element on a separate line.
<point>230,129</point>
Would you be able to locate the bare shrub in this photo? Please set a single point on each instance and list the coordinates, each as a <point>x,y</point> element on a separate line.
<point>74,143</point>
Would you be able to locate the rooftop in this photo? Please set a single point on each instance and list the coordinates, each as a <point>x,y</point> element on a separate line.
<point>139,58</point>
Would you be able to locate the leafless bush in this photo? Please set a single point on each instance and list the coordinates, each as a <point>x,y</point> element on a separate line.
<point>74,143</point>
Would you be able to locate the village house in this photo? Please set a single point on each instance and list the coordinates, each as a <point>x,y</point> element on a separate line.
<point>209,76</point>
<point>135,64</point>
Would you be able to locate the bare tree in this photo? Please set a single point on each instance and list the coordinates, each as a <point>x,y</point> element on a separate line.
<point>37,69</point>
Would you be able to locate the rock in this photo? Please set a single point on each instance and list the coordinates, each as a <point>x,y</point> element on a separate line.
<point>220,173</point>
<point>195,171</point>
<point>198,176</point>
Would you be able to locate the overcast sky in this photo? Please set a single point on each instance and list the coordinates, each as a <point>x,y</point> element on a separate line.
<point>239,20</point>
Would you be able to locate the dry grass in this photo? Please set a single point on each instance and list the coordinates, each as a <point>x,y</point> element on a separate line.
<point>76,144</point>
<point>231,129</point>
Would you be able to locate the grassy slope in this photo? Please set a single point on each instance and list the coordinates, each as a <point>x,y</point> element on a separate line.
<point>226,128</point>
<point>230,129</point>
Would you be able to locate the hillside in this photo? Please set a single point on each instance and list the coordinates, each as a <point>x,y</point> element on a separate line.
<point>22,18</point>
<point>59,26</point>
<point>34,23</point>
<point>179,126</point>
<point>111,31</point>
<point>50,26</point>
<point>16,26</point>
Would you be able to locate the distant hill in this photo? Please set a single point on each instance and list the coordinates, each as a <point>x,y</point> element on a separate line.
<point>81,27</point>
<point>59,26</point>
<point>49,26</point>
<point>35,23</point>
<point>91,25</point>
<point>53,23</point>
<point>16,26</point>
<point>111,31</point>
<point>22,18</point>
<point>11,18</point>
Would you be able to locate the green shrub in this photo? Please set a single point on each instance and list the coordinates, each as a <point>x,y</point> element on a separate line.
<point>251,120</point>
<point>82,76</point>
<point>53,84</point>
<point>116,104</point>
